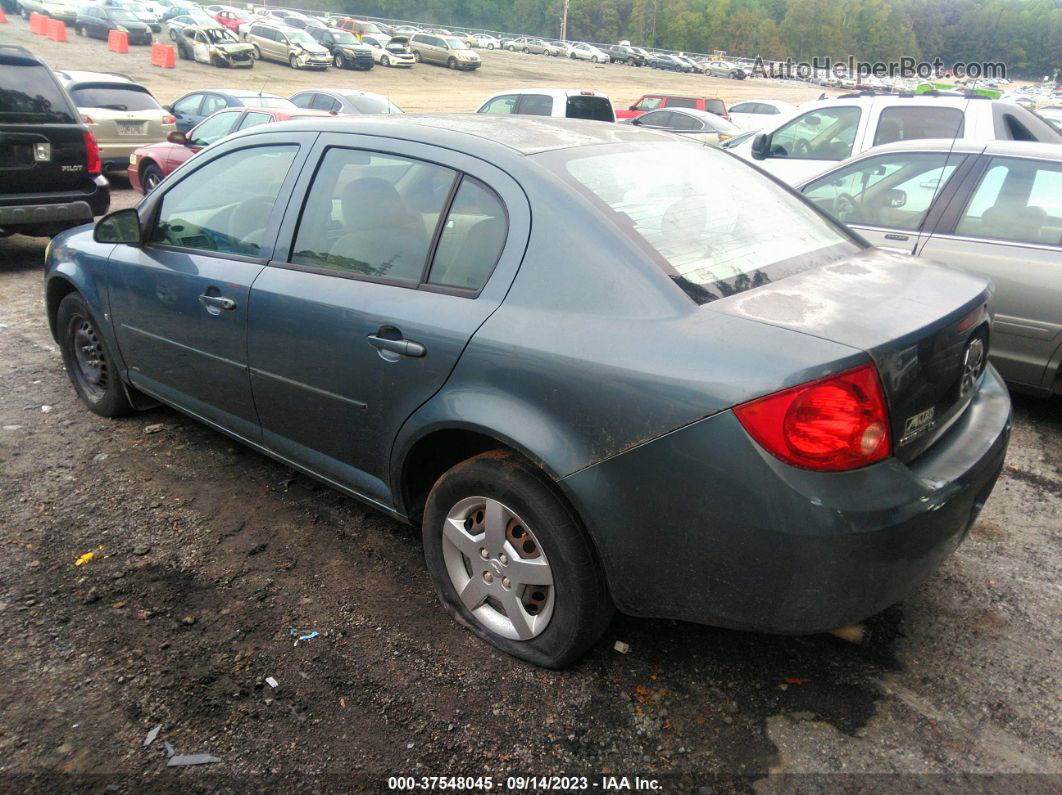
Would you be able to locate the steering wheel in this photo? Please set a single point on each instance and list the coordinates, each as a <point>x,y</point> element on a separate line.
<point>801,147</point>
<point>845,206</point>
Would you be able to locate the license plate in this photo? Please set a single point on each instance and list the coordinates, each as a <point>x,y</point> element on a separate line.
<point>132,127</point>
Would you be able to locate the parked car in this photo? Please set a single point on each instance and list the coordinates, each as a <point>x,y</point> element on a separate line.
<point>99,21</point>
<point>581,51</point>
<point>358,27</point>
<point>233,19</point>
<point>215,46</point>
<point>347,52</point>
<point>304,23</point>
<point>993,209</point>
<point>695,125</point>
<point>686,64</point>
<point>558,102</point>
<point>177,8</point>
<point>294,47</point>
<point>753,114</point>
<point>621,53</point>
<point>826,132</point>
<point>467,38</point>
<point>50,171</point>
<point>648,102</point>
<point>564,49</point>
<point>195,106</point>
<point>532,45</point>
<point>669,63</point>
<point>121,114</point>
<point>139,11</point>
<point>390,51</point>
<point>725,69</point>
<point>64,10</point>
<point>346,101</point>
<point>483,40</point>
<point>182,22</point>
<point>149,165</point>
<point>443,51</point>
<point>395,324</point>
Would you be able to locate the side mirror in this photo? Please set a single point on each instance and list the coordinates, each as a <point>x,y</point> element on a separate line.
<point>121,226</point>
<point>895,198</point>
<point>761,145</point>
<point>177,137</point>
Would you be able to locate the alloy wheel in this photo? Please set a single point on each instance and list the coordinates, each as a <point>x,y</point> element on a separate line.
<point>498,568</point>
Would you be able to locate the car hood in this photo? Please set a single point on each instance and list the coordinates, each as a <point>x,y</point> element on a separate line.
<point>914,318</point>
<point>233,47</point>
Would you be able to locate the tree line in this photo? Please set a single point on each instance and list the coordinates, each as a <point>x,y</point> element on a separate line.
<point>1024,34</point>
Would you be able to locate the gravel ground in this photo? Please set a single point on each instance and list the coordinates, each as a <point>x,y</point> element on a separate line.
<point>206,554</point>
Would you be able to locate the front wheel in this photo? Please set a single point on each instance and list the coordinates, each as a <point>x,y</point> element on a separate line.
<point>293,62</point>
<point>339,61</point>
<point>89,364</point>
<point>173,34</point>
<point>256,53</point>
<point>490,46</point>
<point>150,177</point>
<point>593,59</point>
<point>416,56</point>
<point>510,561</point>
<point>385,61</point>
<point>451,63</point>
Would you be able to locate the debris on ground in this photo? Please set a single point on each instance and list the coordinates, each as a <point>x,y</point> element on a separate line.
<point>81,561</point>
<point>154,428</point>
<point>272,682</point>
<point>621,647</point>
<point>191,759</point>
<point>46,409</point>
<point>169,749</point>
<point>853,633</point>
<point>301,635</point>
<point>151,735</point>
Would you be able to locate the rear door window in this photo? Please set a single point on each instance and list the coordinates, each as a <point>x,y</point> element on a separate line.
<point>31,95</point>
<point>253,119</point>
<point>1018,200</point>
<point>658,118</point>
<point>212,103</point>
<point>303,100</point>
<point>324,102</point>
<point>594,108</point>
<point>535,105</point>
<point>681,102</point>
<point>913,123</point>
<point>472,238</point>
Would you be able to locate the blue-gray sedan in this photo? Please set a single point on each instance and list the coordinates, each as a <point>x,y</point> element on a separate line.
<point>600,367</point>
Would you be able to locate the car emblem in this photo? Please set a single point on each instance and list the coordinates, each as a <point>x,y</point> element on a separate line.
<point>918,424</point>
<point>42,152</point>
<point>973,362</point>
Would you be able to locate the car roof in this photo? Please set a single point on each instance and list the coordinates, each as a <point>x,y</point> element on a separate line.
<point>1046,151</point>
<point>562,93</point>
<point>472,132</point>
<point>78,76</point>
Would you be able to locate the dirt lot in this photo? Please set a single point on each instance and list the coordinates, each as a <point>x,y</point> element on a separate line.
<point>206,554</point>
<point>418,89</point>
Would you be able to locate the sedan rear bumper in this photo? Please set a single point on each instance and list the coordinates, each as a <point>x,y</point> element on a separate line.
<point>703,525</point>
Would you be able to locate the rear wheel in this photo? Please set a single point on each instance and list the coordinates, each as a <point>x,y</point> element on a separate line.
<point>510,561</point>
<point>88,361</point>
<point>385,61</point>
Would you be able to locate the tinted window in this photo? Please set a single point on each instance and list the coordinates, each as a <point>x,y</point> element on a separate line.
<point>893,191</point>
<point>372,214</point>
<point>912,123</point>
<point>715,106</point>
<point>30,94</point>
<point>213,129</point>
<point>303,100</point>
<point>684,123</point>
<point>324,102</point>
<point>595,108</point>
<point>1019,200</point>
<point>113,98</point>
<point>713,248</point>
<point>472,238</point>
<point>365,104</point>
<point>500,104</point>
<point>225,205</point>
<point>746,107</point>
<point>253,119</point>
<point>1016,131</point>
<point>659,118</point>
<point>681,102</point>
<point>824,134</point>
<point>536,105</point>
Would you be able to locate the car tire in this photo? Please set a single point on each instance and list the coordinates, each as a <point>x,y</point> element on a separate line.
<point>385,61</point>
<point>416,56</point>
<point>490,46</point>
<point>339,61</point>
<point>89,364</point>
<point>293,62</point>
<point>23,11</point>
<point>573,611</point>
<point>451,63</point>
<point>218,61</point>
<point>593,59</point>
<point>256,53</point>
<point>173,34</point>
<point>150,176</point>
<point>80,30</point>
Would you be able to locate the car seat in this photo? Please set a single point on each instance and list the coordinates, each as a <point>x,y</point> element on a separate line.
<point>382,235</point>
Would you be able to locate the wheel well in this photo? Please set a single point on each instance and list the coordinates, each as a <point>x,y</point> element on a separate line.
<point>58,289</point>
<point>433,455</point>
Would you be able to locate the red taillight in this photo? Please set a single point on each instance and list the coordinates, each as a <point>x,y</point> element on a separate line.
<point>837,423</point>
<point>169,119</point>
<point>92,154</point>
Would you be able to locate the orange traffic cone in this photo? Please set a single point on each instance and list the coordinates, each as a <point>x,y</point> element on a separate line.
<point>117,41</point>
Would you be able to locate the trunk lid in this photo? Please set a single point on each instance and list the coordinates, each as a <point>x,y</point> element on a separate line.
<point>926,328</point>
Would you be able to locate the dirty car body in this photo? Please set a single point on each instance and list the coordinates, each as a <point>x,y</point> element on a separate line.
<point>622,340</point>
<point>215,46</point>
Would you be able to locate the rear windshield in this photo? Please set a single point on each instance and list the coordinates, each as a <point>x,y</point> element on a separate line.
<point>112,98</point>
<point>715,106</point>
<point>595,108</point>
<point>703,214</point>
<point>267,102</point>
<point>372,104</point>
<point>28,94</point>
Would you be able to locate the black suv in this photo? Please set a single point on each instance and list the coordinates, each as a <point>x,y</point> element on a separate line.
<point>50,174</point>
<point>621,53</point>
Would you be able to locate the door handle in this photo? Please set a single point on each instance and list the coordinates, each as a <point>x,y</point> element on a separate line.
<point>215,303</point>
<point>402,347</point>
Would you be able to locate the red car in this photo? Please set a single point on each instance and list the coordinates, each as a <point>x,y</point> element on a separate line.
<point>232,19</point>
<point>657,101</point>
<point>148,165</point>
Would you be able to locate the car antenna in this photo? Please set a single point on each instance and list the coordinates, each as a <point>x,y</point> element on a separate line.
<point>951,148</point>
